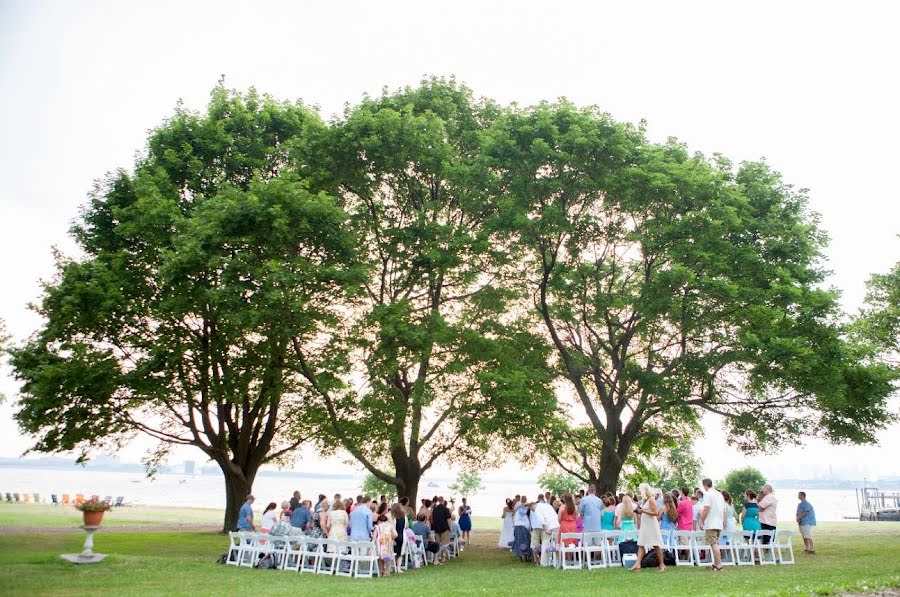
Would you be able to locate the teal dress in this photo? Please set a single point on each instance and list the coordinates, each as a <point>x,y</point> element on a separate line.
<point>608,520</point>
<point>751,517</point>
<point>628,524</point>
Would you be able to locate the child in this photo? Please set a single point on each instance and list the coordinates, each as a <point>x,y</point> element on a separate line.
<point>385,536</point>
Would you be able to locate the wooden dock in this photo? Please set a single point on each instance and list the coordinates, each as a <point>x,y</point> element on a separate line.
<point>876,504</point>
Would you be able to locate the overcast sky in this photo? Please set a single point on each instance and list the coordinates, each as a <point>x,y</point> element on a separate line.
<point>810,86</point>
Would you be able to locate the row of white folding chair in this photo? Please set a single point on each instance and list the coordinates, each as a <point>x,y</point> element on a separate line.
<point>332,557</point>
<point>592,550</point>
<point>246,548</point>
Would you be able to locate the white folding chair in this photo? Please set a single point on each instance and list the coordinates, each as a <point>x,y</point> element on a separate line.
<point>248,550</point>
<point>309,558</point>
<point>346,556</point>
<point>570,555</point>
<point>612,548</point>
<point>293,554</point>
<point>744,550</point>
<point>366,562</point>
<point>684,547</point>
<point>594,550</point>
<point>553,547</point>
<point>454,546</point>
<point>327,557</point>
<point>784,545</point>
<point>235,547</point>
<point>421,552</point>
<point>765,547</point>
<point>727,541</point>
<point>702,551</point>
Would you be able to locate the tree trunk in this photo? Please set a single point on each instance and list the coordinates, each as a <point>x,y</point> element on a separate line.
<point>237,488</point>
<point>409,473</point>
<point>608,475</point>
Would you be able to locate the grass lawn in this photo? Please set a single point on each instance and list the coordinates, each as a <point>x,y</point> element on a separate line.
<point>852,557</point>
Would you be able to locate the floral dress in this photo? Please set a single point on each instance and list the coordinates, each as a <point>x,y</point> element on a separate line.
<point>385,535</point>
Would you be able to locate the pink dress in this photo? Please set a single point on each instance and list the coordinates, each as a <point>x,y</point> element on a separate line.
<point>568,524</point>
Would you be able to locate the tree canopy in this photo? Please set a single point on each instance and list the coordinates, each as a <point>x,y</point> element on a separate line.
<point>203,269</point>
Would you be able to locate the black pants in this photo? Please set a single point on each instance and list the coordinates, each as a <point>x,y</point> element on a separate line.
<point>766,527</point>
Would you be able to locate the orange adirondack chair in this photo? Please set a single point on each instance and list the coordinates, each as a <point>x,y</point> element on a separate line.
<point>26,498</point>
<point>66,500</point>
<point>79,499</point>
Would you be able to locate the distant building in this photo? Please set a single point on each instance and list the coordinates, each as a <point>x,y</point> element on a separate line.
<point>188,467</point>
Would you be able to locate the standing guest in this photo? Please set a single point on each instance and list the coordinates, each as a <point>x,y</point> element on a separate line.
<point>407,510</point>
<point>685,510</point>
<point>295,501</point>
<point>522,533</point>
<point>608,517</point>
<point>359,501</point>
<point>806,518</point>
<point>360,523</point>
<point>319,502</point>
<point>591,510</point>
<point>668,515</point>
<point>285,512</point>
<point>549,523</point>
<point>506,531</point>
<point>301,517</point>
<point>269,517</point>
<point>324,517</point>
<point>440,524</point>
<point>338,521</point>
<point>425,509</point>
<point>649,535</point>
<point>245,515</point>
<point>465,520</point>
<point>399,518</point>
<point>768,510</point>
<point>382,499</point>
<point>567,520</point>
<point>537,531</point>
<point>750,513</point>
<point>625,518</point>
<point>712,520</point>
<point>319,521</point>
<point>385,535</point>
<point>696,508</point>
<point>730,517</point>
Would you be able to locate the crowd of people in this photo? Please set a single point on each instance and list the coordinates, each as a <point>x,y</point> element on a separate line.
<point>364,519</point>
<point>530,527</point>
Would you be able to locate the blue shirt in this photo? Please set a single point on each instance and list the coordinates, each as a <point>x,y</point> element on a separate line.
<point>360,523</point>
<point>591,510</point>
<point>301,517</point>
<point>246,510</point>
<point>810,518</point>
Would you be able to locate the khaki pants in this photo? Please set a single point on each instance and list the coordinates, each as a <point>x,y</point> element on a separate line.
<point>547,537</point>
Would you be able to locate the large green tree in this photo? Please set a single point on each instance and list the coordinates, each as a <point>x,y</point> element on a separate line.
<point>203,271</point>
<point>670,284</point>
<point>446,367</point>
<point>878,323</point>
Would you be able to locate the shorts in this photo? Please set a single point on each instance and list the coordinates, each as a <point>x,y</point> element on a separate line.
<point>536,537</point>
<point>712,536</point>
<point>806,531</point>
<point>443,538</point>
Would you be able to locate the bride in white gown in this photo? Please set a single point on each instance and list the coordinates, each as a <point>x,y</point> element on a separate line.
<point>506,531</point>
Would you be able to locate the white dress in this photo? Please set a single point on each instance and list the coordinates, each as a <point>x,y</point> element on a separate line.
<point>506,532</point>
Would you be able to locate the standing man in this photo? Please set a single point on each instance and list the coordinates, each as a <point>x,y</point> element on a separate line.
<point>549,522</point>
<point>245,516</point>
<point>301,517</point>
<point>806,518</point>
<point>440,524</point>
<point>768,510</point>
<point>591,510</point>
<point>360,522</point>
<point>712,520</point>
<point>295,501</point>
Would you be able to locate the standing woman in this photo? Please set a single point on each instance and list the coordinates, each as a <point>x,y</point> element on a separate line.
<point>649,535</point>
<point>506,532</point>
<point>338,521</point>
<point>399,517</point>
<point>522,533</point>
<point>320,521</point>
<point>668,516</point>
<point>465,520</point>
<point>625,518</point>
<point>567,519</point>
<point>608,516</point>
<point>750,512</point>
<point>268,518</point>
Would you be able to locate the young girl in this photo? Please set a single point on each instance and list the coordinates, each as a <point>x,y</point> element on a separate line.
<point>385,536</point>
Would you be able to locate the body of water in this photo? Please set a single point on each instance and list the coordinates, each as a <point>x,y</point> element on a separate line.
<point>208,490</point>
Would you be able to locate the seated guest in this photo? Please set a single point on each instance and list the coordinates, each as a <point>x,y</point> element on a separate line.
<point>360,523</point>
<point>245,516</point>
<point>301,517</point>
